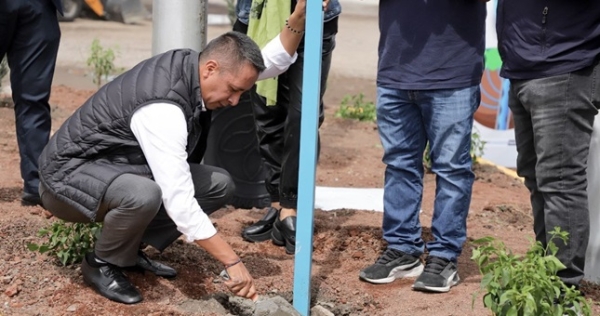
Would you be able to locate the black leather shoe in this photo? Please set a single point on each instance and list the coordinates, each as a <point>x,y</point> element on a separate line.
<point>30,199</point>
<point>261,230</point>
<point>284,234</point>
<point>110,282</point>
<point>160,269</point>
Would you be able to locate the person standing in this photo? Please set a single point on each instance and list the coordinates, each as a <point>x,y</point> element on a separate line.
<point>554,69</point>
<point>430,68</point>
<point>277,112</point>
<point>29,36</point>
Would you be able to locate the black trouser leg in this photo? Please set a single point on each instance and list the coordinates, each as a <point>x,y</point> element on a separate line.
<point>30,37</point>
<point>278,127</point>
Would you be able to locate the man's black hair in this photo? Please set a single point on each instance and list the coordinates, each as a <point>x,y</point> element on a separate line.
<point>232,49</point>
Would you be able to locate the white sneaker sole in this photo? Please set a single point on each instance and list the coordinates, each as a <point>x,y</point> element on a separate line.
<point>399,272</point>
<point>443,289</point>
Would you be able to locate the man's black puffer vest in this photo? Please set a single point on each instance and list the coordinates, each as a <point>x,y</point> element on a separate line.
<point>96,145</point>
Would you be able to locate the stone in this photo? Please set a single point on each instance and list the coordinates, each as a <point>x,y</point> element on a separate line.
<point>242,306</point>
<point>72,308</point>
<point>205,306</point>
<point>12,290</point>
<point>327,305</point>
<point>6,279</point>
<point>275,306</point>
<point>357,255</point>
<point>320,311</point>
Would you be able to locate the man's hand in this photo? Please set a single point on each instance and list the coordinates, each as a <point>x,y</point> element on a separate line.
<point>301,7</point>
<point>240,282</point>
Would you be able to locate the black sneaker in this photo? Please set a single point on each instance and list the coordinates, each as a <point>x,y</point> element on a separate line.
<point>30,199</point>
<point>392,264</point>
<point>439,275</point>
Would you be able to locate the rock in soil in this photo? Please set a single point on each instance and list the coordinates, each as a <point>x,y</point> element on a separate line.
<point>320,311</point>
<point>209,306</point>
<point>276,305</point>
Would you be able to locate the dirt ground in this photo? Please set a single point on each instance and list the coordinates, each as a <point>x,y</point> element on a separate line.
<point>345,241</point>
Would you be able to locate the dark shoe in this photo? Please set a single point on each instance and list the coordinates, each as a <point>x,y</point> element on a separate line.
<point>30,199</point>
<point>160,269</point>
<point>284,234</point>
<point>439,276</point>
<point>110,282</point>
<point>261,230</point>
<point>391,265</point>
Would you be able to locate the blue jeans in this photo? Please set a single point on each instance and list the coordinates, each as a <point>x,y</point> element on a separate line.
<point>407,119</point>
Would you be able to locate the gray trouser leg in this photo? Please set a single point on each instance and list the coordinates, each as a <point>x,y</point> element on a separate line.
<point>553,126</point>
<point>129,205</point>
<point>213,189</point>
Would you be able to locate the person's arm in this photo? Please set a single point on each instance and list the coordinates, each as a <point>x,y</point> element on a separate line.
<point>292,33</point>
<point>276,58</point>
<point>280,53</point>
<point>160,129</point>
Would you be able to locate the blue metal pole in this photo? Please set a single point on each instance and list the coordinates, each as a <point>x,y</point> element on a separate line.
<point>311,86</point>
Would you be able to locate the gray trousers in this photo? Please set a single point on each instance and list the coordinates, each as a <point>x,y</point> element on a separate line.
<point>553,126</point>
<point>132,212</point>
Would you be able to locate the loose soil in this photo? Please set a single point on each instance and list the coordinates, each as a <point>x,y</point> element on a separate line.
<point>345,241</point>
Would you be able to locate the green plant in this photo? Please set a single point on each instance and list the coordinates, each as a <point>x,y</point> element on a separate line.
<point>3,68</point>
<point>526,285</point>
<point>102,62</point>
<point>427,159</point>
<point>69,242</point>
<point>477,146</point>
<point>355,107</point>
<point>476,151</point>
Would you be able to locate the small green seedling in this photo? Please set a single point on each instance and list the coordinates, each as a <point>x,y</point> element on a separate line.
<point>101,61</point>
<point>69,242</point>
<point>516,285</point>
<point>356,108</point>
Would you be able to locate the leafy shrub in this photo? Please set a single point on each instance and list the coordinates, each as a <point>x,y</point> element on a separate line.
<point>427,159</point>
<point>3,68</point>
<point>477,147</point>
<point>526,285</point>
<point>356,108</point>
<point>69,242</point>
<point>102,62</point>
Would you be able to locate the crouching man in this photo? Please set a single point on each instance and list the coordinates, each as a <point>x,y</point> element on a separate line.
<point>130,158</point>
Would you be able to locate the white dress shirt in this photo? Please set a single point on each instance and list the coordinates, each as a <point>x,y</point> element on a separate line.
<point>161,131</point>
